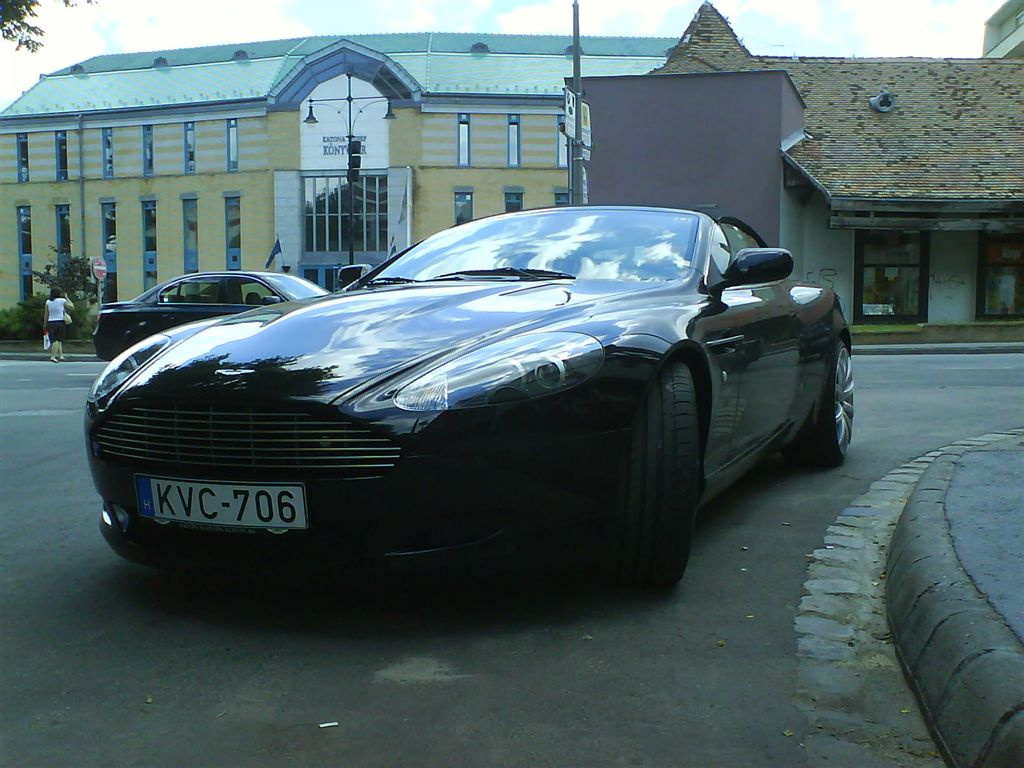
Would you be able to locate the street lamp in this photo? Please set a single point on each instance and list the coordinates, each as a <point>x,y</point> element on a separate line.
<point>353,149</point>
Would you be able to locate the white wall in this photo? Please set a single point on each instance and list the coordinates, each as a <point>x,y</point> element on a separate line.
<point>827,253</point>
<point>323,145</point>
<point>288,218</point>
<point>952,277</point>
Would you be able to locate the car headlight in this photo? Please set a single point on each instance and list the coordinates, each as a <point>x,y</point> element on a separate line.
<point>513,369</point>
<point>124,365</point>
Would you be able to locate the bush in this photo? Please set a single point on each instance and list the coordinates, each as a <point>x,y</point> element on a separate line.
<point>24,321</point>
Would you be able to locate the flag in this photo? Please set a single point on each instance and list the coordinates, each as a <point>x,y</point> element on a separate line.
<point>273,252</point>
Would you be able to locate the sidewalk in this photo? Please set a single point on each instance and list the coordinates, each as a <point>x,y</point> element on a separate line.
<point>955,600</point>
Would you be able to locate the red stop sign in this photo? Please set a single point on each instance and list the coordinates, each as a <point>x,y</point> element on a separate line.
<point>99,268</point>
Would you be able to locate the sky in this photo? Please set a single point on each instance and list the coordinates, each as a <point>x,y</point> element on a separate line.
<point>868,28</point>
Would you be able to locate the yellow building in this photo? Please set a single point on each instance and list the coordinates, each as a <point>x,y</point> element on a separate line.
<point>194,159</point>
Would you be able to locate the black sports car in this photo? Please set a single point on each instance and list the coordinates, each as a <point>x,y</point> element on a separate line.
<point>598,370</point>
<point>192,297</point>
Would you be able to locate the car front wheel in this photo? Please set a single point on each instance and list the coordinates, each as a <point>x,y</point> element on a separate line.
<point>661,483</point>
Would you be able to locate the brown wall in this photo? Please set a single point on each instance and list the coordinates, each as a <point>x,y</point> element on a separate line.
<point>706,141</point>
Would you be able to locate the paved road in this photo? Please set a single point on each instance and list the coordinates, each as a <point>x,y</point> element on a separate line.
<point>107,663</point>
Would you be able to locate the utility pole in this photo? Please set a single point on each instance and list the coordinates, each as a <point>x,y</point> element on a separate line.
<point>576,157</point>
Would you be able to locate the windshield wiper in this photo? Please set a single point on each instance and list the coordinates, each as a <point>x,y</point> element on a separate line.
<point>522,274</point>
<point>390,281</point>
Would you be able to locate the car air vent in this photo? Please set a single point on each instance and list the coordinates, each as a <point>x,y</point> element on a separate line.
<point>215,438</point>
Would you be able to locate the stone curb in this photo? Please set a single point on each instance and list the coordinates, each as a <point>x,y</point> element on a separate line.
<point>962,661</point>
<point>984,348</point>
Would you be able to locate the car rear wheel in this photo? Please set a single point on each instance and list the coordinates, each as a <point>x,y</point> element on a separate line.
<point>661,483</point>
<point>825,441</point>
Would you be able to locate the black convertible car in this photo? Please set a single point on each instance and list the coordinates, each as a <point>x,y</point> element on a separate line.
<point>603,371</point>
<point>192,297</point>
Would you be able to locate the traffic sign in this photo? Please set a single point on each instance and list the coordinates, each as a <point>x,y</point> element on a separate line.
<point>99,268</point>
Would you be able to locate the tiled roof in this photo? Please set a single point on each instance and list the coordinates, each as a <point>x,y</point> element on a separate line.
<point>956,131</point>
<point>441,63</point>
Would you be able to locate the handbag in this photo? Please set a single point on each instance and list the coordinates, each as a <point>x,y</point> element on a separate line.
<point>67,317</point>
<point>46,340</point>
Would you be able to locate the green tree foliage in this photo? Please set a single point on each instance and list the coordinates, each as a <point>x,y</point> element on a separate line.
<point>72,274</point>
<point>16,22</point>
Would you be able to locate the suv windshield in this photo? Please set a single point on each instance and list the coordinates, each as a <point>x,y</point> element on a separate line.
<point>588,243</point>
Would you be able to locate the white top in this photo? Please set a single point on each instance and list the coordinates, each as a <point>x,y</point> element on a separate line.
<point>55,309</point>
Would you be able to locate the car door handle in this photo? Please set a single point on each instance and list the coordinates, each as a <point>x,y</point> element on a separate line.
<point>729,342</point>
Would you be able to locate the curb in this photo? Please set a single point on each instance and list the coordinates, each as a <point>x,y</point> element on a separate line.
<point>962,661</point>
<point>983,348</point>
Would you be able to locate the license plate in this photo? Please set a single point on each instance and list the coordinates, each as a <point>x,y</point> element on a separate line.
<point>275,506</point>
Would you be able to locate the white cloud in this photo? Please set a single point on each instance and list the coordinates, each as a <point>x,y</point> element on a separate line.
<point>933,28</point>
<point>116,26</point>
<point>597,17</point>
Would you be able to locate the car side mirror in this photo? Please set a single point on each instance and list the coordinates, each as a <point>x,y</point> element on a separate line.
<point>271,300</point>
<point>349,274</point>
<point>752,266</point>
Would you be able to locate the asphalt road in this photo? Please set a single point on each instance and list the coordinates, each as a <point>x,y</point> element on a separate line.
<point>106,663</point>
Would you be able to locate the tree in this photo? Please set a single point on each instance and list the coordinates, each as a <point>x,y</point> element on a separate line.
<point>15,22</point>
<point>71,273</point>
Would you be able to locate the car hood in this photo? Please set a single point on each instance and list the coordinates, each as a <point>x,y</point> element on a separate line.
<point>323,349</point>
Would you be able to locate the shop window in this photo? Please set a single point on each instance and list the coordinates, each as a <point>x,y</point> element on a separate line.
<point>108,212</point>
<point>513,141</point>
<point>149,256</point>
<point>147,150</point>
<point>22,157</point>
<point>513,201</point>
<point>462,139</point>
<point>233,231</point>
<point>61,149</point>
<point>107,141</point>
<point>25,249</point>
<point>561,144</point>
<point>891,284</point>
<point>1001,277</point>
<point>233,144</point>
<point>189,136</point>
<point>190,234</point>
<point>63,231</point>
<point>463,207</point>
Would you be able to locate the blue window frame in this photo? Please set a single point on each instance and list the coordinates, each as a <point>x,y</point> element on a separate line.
<point>25,249</point>
<point>107,142</point>
<point>148,244</point>
<point>60,139</point>
<point>190,234</point>
<point>562,197</point>
<point>462,140</point>
<point>189,141</point>
<point>233,231</point>
<point>63,229</point>
<point>22,157</point>
<point>108,224</point>
<point>232,139</point>
<point>512,134</point>
<point>147,150</point>
<point>561,144</point>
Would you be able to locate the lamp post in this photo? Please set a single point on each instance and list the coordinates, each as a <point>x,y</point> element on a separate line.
<point>353,148</point>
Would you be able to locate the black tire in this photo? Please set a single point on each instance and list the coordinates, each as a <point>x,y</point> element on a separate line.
<point>661,483</point>
<point>825,440</point>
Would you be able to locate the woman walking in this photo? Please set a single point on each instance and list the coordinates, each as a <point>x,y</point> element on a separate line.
<point>55,320</point>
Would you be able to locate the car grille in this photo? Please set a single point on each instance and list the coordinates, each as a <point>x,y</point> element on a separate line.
<point>219,438</point>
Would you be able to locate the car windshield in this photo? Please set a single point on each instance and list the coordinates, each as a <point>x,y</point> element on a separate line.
<point>586,243</point>
<point>295,287</point>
